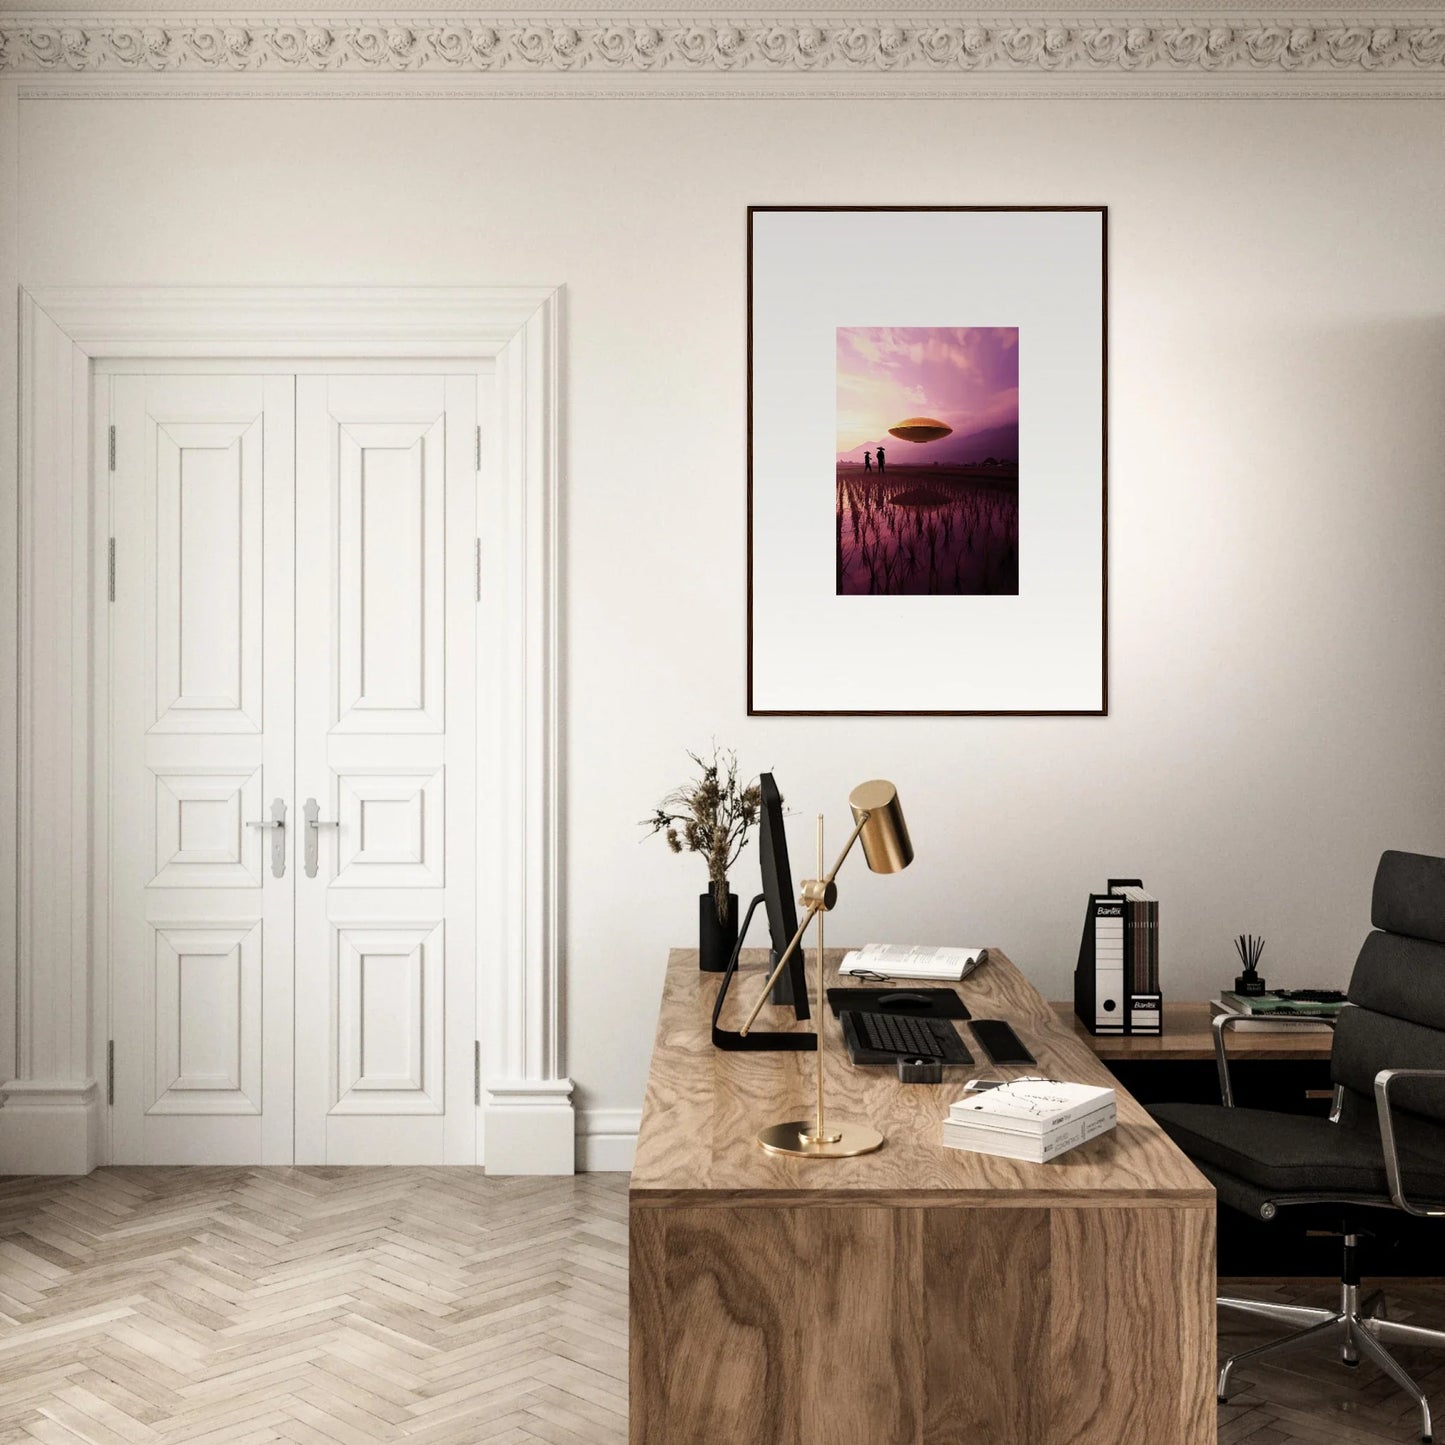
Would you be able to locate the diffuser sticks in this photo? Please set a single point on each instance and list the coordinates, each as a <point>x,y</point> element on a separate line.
<point>1249,948</point>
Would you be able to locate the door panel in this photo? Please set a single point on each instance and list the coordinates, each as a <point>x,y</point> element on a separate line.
<point>201,837</point>
<point>390,599</point>
<point>202,740</point>
<point>392,826</point>
<point>208,499</point>
<point>389,1028</point>
<point>207,1055</point>
<point>293,636</point>
<point>385,931</point>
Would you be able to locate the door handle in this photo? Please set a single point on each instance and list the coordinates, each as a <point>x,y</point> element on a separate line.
<point>276,822</point>
<point>314,824</point>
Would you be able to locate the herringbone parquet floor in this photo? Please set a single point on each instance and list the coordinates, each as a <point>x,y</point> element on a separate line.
<point>435,1306</point>
<point>236,1306</point>
<point>1309,1396</point>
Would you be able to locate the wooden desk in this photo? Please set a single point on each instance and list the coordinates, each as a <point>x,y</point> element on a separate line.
<point>1187,1036</point>
<point>919,1295</point>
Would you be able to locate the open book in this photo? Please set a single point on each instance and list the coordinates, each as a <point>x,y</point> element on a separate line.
<point>901,960</point>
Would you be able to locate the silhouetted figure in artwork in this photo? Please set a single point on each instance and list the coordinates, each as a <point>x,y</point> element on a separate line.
<point>867,461</point>
<point>880,460</point>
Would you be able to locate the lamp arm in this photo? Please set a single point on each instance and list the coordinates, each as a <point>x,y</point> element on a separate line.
<point>848,846</point>
<point>814,909</point>
<point>788,952</point>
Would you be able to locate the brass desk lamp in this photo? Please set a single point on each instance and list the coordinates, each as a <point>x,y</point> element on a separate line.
<point>878,823</point>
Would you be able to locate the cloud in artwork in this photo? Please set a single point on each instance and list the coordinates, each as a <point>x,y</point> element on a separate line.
<point>966,377</point>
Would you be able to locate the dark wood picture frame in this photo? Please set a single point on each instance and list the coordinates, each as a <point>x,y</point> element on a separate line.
<point>1103,709</point>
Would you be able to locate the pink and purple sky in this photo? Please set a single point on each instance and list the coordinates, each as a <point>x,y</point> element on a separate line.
<point>966,377</point>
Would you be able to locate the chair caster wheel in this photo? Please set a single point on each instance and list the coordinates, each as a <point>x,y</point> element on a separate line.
<point>1221,1399</point>
<point>1353,1364</point>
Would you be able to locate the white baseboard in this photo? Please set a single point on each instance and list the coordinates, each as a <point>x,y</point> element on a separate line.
<point>607,1140</point>
<point>530,1127</point>
<point>48,1127</point>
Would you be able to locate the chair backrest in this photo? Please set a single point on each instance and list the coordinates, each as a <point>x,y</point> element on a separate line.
<point>1398,995</point>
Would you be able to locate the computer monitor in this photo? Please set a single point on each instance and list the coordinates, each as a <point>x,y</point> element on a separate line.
<point>791,987</point>
<point>777,899</point>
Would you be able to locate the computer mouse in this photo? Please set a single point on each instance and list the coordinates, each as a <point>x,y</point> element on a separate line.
<point>904,999</point>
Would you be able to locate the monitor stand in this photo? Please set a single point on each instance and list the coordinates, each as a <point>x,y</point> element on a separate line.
<point>783,990</point>
<point>756,1040</point>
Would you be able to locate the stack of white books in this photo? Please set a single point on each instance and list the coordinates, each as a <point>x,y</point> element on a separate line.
<point>1032,1119</point>
<point>903,960</point>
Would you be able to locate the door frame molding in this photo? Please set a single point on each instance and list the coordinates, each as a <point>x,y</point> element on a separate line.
<point>52,1091</point>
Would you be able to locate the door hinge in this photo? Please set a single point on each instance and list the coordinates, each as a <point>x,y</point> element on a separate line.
<point>478,569</point>
<point>111,448</point>
<point>479,449</point>
<point>110,1072</point>
<point>477,1072</point>
<point>110,569</point>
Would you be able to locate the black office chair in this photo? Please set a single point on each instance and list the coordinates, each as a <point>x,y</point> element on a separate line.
<point>1381,1150</point>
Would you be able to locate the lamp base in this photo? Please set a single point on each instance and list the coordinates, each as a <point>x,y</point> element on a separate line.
<point>844,1141</point>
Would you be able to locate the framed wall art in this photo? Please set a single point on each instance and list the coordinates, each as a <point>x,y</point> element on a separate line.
<point>927,460</point>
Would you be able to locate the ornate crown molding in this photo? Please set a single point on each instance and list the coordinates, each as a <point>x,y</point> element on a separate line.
<point>468,45</point>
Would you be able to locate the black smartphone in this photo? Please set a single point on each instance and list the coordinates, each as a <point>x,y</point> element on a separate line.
<point>1000,1042</point>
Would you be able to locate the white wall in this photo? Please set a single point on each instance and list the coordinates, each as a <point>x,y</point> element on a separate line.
<point>1277,488</point>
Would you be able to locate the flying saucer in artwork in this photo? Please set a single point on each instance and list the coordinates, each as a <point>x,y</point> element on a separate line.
<point>920,429</point>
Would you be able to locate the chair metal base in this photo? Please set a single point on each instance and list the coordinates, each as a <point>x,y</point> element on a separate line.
<point>1360,1327</point>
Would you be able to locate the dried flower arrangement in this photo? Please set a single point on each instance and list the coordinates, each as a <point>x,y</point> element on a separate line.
<point>712,816</point>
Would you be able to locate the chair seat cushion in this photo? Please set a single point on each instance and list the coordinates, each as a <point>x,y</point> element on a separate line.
<point>1293,1153</point>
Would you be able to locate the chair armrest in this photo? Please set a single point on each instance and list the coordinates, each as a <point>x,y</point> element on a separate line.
<point>1383,1080</point>
<point>1222,1023</point>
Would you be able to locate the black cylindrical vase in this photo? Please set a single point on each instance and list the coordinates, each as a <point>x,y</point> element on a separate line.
<point>716,937</point>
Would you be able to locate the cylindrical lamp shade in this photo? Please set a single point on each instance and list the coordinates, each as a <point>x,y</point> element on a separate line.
<point>885,840</point>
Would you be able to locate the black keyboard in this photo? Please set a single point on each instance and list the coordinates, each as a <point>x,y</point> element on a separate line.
<point>900,1036</point>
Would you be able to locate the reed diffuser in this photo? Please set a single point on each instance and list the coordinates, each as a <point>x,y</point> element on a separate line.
<point>1249,948</point>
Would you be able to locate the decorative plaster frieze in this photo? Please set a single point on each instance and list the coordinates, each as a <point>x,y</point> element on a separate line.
<point>471,45</point>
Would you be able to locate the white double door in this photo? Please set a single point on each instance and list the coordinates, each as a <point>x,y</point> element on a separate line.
<point>291,870</point>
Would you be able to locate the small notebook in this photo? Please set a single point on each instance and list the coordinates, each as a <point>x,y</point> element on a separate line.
<point>901,960</point>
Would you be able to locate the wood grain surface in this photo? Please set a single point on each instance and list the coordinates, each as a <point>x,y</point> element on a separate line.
<point>919,1295</point>
<point>933,1326</point>
<point>442,1307</point>
<point>1132,1326</point>
<point>704,1107</point>
<point>986,1297</point>
<point>1187,1036</point>
<point>314,1306</point>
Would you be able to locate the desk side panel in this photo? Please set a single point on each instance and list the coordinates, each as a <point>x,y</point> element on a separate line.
<point>776,1326</point>
<point>985,1300</point>
<point>647,1323</point>
<point>874,1326</point>
<point>1132,1350</point>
